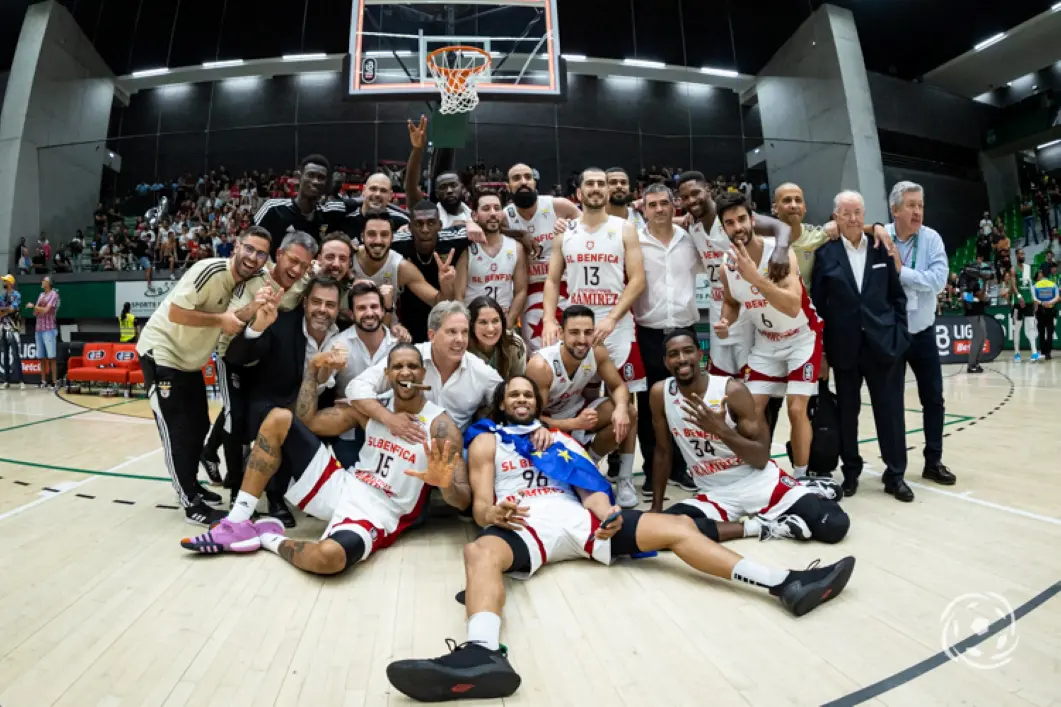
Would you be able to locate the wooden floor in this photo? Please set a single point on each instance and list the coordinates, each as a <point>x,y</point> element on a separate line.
<point>100,606</point>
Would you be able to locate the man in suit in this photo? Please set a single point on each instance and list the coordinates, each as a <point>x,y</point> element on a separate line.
<point>281,343</point>
<point>856,290</point>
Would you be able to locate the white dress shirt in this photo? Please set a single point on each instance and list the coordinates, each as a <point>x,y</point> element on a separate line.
<point>469,388</point>
<point>856,254</point>
<point>669,299</point>
<point>311,348</point>
<point>359,360</point>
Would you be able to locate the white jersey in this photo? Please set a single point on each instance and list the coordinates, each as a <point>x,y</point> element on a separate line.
<point>770,324</point>
<point>711,463</point>
<point>595,266</point>
<point>448,219</point>
<point>540,227</point>
<point>565,394</point>
<point>380,485</point>
<point>712,246</point>
<point>516,479</point>
<point>386,275</point>
<point>492,275</point>
<point>634,216</point>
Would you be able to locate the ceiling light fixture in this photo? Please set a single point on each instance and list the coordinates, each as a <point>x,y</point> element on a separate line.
<point>1048,144</point>
<point>644,63</point>
<point>728,73</point>
<point>304,57</point>
<point>575,57</point>
<point>989,41</point>
<point>221,64</point>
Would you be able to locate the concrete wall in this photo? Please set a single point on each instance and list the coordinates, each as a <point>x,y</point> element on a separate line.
<point>817,116</point>
<point>53,129</point>
<point>1002,179</point>
<point>928,112</point>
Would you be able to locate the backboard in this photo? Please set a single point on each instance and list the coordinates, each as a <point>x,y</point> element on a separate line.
<point>390,43</point>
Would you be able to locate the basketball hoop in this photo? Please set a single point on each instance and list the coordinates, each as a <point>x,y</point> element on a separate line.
<point>456,71</point>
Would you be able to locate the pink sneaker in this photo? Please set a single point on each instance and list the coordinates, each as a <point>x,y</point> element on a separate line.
<point>226,536</point>
<point>268,525</point>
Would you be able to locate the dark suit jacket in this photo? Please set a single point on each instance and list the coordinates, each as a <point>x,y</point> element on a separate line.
<point>274,382</point>
<point>870,324</point>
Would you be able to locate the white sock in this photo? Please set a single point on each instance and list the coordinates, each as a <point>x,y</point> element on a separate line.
<point>626,466</point>
<point>799,470</point>
<point>271,541</point>
<point>484,628</point>
<point>752,527</point>
<point>243,508</point>
<point>751,572</point>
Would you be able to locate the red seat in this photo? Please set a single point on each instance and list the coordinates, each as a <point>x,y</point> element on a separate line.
<point>97,365</point>
<point>125,356</point>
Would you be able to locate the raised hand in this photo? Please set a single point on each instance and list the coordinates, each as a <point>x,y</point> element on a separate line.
<point>697,412</point>
<point>447,274</point>
<point>743,263</point>
<point>721,328</point>
<point>418,133</point>
<point>441,463</point>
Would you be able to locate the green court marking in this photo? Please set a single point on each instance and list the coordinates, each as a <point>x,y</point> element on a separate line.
<point>63,417</point>
<point>918,410</point>
<point>965,418</point>
<point>72,470</point>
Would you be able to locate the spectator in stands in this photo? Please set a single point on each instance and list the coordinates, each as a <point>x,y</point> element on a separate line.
<point>491,340</point>
<point>46,330</point>
<point>986,227</point>
<point>985,245</point>
<point>10,338</point>
<point>61,260</point>
<point>77,247</point>
<point>1027,211</point>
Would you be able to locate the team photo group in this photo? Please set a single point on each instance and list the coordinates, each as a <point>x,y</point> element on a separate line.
<point>529,356</point>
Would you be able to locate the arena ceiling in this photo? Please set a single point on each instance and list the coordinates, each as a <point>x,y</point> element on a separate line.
<point>905,38</point>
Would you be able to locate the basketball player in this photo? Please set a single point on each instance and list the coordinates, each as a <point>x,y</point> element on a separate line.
<point>449,191</point>
<point>725,442</point>
<point>391,272</point>
<point>496,269</point>
<point>1022,286</point>
<point>620,198</point>
<point>293,261</point>
<point>787,350</point>
<point>366,507</point>
<point>601,258</point>
<point>304,212</point>
<point>562,373</point>
<point>175,344</point>
<point>531,520</point>
<point>536,216</point>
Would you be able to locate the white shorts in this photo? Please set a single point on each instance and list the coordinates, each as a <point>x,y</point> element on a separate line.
<point>531,320</point>
<point>586,437</point>
<point>767,494</point>
<point>625,353</point>
<point>324,490</point>
<point>729,356</point>
<point>560,529</point>
<point>789,367</point>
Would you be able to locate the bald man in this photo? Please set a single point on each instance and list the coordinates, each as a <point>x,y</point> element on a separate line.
<point>378,194</point>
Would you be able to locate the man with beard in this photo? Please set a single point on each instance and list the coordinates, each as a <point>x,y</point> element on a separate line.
<point>392,273</point>
<point>375,200</point>
<point>532,519</point>
<point>495,269</point>
<point>620,198</point>
<point>178,340</point>
<point>367,343</point>
<point>304,212</point>
<point>787,350</point>
<point>287,278</point>
<point>724,441</point>
<point>366,507</point>
<point>601,260</point>
<point>536,216</point>
<point>562,373</point>
<point>452,211</point>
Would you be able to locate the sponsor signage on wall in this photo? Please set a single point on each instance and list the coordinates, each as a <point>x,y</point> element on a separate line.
<point>144,299</point>
<point>954,338</point>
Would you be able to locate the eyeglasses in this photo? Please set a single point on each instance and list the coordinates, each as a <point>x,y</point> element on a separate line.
<point>251,252</point>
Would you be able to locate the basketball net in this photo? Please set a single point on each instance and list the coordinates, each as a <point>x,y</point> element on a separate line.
<point>456,71</point>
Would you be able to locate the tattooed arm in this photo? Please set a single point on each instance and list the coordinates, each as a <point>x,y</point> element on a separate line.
<point>329,422</point>
<point>459,493</point>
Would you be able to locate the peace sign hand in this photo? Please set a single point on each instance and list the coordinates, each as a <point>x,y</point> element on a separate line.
<point>743,264</point>
<point>441,463</point>
<point>698,413</point>
<point>447,274</point>
<point>418,133</point>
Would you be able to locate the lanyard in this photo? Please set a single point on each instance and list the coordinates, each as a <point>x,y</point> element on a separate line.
<point>913,252</point>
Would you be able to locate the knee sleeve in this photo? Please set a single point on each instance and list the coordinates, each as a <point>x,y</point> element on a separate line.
<point>705,525</point>
<point>352,545</point>
<point>827,521</point>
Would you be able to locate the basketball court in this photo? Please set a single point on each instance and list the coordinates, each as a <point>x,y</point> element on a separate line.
<point>100,606</point>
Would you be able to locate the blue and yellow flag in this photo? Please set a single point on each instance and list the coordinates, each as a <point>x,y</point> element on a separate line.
<point>560,462</point>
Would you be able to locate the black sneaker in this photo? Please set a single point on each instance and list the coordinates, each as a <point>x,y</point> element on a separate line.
<point>646,488</point>
<point>202,514</point>
<point>209,497</point>
<point>212,466</point>
<point>469,671</point>
<point>803,590</point>
<point>683,481</point>
<point>279,510</point>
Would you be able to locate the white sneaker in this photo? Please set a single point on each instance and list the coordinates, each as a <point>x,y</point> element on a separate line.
<point>626,494</point>
<point>789,526</point>
<point>21,386</point>
<point>823,486</point>
<point>6,386</point>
